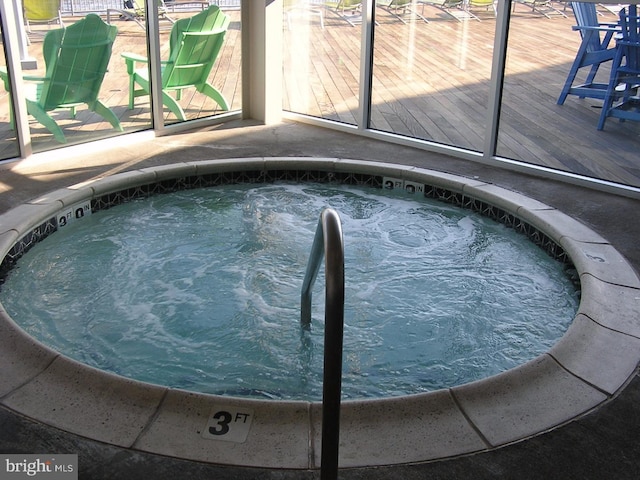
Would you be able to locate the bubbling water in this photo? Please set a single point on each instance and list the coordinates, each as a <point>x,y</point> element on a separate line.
<point>200,290</point>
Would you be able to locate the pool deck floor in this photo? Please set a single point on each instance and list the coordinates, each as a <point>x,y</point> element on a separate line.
<point>602,444</point>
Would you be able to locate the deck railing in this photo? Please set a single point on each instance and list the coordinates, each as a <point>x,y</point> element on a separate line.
<point>73,7</point>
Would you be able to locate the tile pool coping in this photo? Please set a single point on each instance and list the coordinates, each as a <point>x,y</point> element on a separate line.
<point>587,366</point>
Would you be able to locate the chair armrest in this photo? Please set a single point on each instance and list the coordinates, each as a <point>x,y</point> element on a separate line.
<point>614,27</point>
<point>4,78</point>
<point>610,30</point>
<point>4,74</point>
<point>131,59</point>
<point>32,78</point>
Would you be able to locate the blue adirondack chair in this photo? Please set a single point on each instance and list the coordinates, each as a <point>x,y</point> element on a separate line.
<point>625,72</point>
<point>594,51</point>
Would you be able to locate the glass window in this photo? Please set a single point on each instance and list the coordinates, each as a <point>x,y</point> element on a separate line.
<point>207,66</point>
<point>83,97</point>
<point>100,103</point>
<point>8,143</point>
<point>321,57</point>
<point>75,91</point>
<point>533,127</point>
<point>431,70</point>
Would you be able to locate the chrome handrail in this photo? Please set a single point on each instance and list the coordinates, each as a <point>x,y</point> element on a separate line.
<point>328,241</point>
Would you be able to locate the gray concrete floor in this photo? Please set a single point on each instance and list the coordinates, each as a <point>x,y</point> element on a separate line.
<point>603,444</point>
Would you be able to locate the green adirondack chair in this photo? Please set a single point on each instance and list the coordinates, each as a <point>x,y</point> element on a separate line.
<point>194,45</point>
<point>76,59</point>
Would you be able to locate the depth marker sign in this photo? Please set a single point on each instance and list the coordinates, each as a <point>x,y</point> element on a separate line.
<point>229,424</point>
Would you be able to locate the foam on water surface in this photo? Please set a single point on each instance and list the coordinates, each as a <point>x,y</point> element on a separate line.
<point>200,290</point>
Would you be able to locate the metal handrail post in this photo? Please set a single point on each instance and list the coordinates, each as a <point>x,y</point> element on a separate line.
<point>328,240</point>
<point>313,266</point>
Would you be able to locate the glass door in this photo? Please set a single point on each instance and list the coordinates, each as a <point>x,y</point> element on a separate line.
<point>321,58</point>
<point>431,70</point>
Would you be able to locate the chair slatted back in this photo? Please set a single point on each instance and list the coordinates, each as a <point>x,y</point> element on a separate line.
<point>194,59</point>
<point>76,61</point>
<point>630,42</point>
<point>194,45</point>
<point>587,16</point>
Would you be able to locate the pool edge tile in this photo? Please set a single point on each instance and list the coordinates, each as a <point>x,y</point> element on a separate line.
<point>362,166</point>
<point>120,181</point>
<point>315,163</point>
<point>508,200</point>
<point>88,402</point>
<point>8,239</point>
<point>170,172</point>
<point>559,225</point>
<point>525,401</point>
<point>448,181</point>
<point>600,260</point>
<point>24,218</point>
<point>180,429</point>
<point>613,306</point>
<point>431,426</point>
<point>598,355</point>
<point>204,167</point>
<point>65,196</point>
<point>21,357</point>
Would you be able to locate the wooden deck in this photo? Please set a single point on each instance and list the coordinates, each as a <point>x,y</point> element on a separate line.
<point>226,76</point>
<point>431,81</point>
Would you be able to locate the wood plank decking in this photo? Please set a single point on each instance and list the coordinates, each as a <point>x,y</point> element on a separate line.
<point>431,81</point>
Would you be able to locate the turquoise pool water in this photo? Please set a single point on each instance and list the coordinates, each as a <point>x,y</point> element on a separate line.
<point>200,290</point>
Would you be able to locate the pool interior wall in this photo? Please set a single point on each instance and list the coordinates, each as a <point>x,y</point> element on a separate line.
<point>594,359</point>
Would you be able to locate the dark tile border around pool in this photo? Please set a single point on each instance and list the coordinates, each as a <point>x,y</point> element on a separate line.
<point>591,362</point>
<point>110,200</point>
